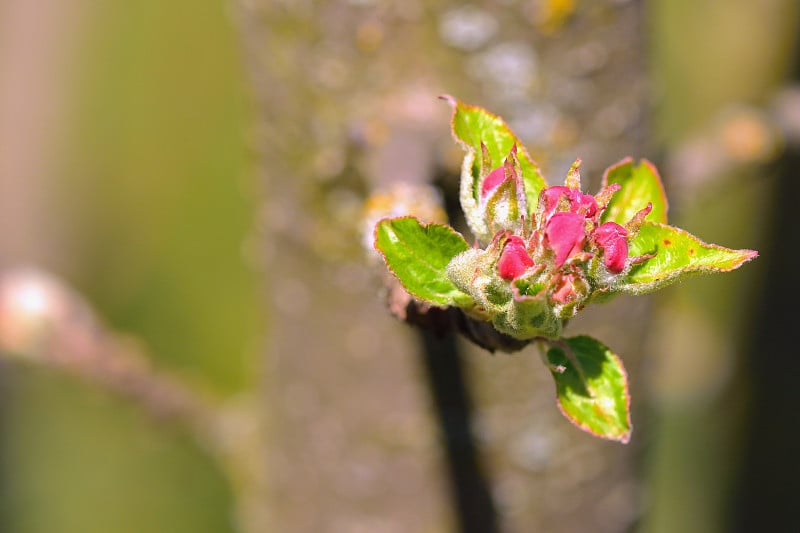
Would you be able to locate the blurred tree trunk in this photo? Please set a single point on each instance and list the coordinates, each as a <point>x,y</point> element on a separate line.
<point>770,477</point>
<point>771,472</point>
<point>35,50</point>
<point>346,105</point>
<point>714,61</point>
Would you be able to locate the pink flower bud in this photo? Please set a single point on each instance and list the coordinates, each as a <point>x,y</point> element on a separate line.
<point>584,204</point>
<point>493,180</point>
<point>577,202</point>
<point>551,196</point>
<point>566,233</point>
<point>514,260</point>
<point>613,241</point>
<point>565,289</point>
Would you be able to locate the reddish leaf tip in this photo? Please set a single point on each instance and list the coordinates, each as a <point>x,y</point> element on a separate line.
<point>749,254</point>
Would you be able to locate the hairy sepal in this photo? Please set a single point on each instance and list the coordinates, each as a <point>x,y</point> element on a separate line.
<point>470,202</point>
<point>474,272</point>
<point>520,309</point>
<point>528,314</point>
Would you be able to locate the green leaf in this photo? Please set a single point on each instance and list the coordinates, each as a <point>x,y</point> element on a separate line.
<point>640,184</point>
<point>473,125</point>
<point>418,254</point>
<point>677,254</point>
<point>592,387</point>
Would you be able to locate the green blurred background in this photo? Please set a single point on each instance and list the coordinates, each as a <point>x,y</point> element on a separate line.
<point>149,198</point>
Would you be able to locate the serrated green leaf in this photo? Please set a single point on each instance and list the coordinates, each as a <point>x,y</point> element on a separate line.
<point>677,254</point>
<point>418,255</point>
<point>473,125</point>
<point>640,184</point>
<point>592,387</point>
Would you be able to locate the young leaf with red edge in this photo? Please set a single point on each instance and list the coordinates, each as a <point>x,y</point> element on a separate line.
<point>676,254</point>
<point>592,387</point>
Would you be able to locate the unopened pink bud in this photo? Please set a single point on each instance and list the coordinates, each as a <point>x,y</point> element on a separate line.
<point>613,241</point>
<point>584,204</point>
<point>493,180</point>
<point>514,260</point>
<point>566,233</point>
<point>565,289</point>
<point>551,196</point>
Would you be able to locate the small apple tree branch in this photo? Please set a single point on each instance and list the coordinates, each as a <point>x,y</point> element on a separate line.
<point>43,322</point>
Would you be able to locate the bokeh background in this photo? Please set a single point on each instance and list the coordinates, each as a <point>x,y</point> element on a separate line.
<point>194,338</point>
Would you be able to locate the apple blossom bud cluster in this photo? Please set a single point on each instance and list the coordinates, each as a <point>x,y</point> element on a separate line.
<point>534,274</point>
<point>541,254</point>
